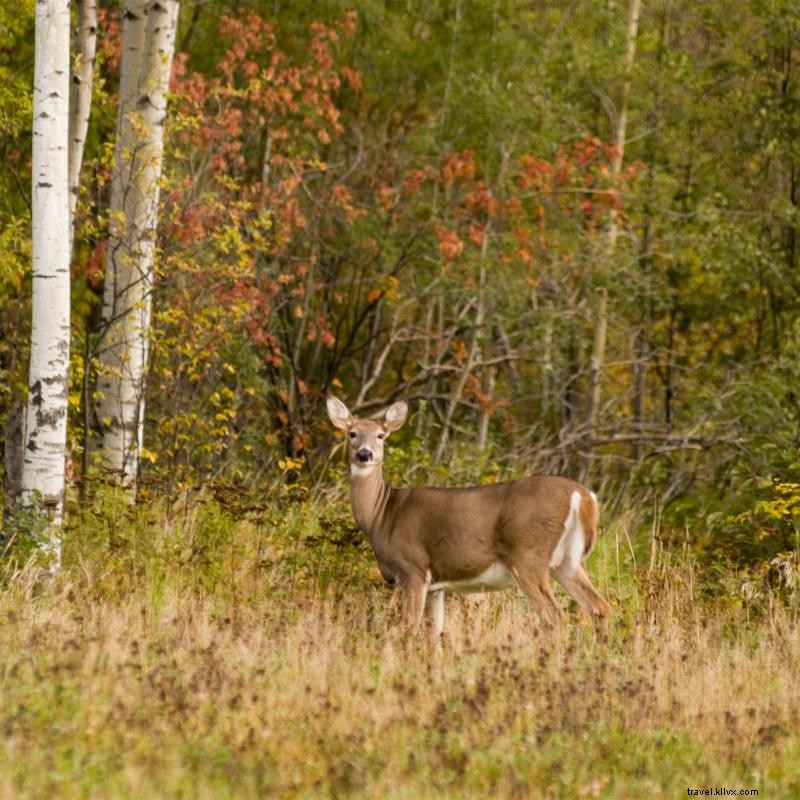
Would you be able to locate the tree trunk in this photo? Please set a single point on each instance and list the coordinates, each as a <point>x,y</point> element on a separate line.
<point>632,28</point>
<point>641,344</point>
<point>148,46</point>
<point>596,363</point>
<point>485,414</point>
<point>601,322</point>
<point>48,384</point>
<point>85,46</point>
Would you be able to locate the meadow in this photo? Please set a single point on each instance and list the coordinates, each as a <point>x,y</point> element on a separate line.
<point>566,233</point>
<point>215,650</point>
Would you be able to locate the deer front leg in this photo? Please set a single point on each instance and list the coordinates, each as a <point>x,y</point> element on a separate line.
<point>434,604</point>
<point>414,591</point>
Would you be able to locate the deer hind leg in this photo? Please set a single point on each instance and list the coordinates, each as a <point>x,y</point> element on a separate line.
<point>576,581</point>
<point>568,561</point>
<point>537,589</point>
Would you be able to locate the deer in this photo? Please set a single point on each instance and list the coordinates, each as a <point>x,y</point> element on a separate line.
<point>430,540</point>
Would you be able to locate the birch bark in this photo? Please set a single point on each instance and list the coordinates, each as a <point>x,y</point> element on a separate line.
<point>85,47</point>
<point>46,413</point>
<point>601,322</point>
<point>149,30</point>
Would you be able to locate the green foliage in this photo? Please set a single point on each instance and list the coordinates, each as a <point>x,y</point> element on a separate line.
<point>380,199</point>
<point>342,192</point>
<point>212,543</point>
<point>24,536</point>
<point>766,533</point>
<point>223,647</point>
<point>16,113</point>
<point>16,102</point>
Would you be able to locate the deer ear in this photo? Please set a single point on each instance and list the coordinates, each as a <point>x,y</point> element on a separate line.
<point>338,413</point>
<point>395,415</point>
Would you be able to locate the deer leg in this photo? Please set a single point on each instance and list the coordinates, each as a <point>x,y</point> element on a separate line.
<point>434,604</point>
<point>577,582</point>
<point>414,591</point>
<point>540,595</point>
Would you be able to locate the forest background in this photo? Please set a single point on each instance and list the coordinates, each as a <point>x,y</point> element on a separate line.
<point>569,254</point>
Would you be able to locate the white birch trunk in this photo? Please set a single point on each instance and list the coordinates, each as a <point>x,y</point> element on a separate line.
<point>110,405</point>
<point>148,46</point>
<point>46,416</point>
<point>81,97</point>
<point>631,32</point>
<point>601,320</point>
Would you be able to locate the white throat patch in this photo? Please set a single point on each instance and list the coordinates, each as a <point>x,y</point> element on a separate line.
<point>361,470</point>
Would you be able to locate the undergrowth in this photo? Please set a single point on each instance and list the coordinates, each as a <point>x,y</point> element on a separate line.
<point>219,649</point>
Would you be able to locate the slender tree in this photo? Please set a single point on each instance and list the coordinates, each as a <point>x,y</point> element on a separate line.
<point>85,46</point>
<point>46,418</point>
<point>148,46</point>
<point>621,127</point>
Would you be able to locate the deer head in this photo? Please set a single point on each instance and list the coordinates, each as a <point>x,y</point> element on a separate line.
<point>366,437</point>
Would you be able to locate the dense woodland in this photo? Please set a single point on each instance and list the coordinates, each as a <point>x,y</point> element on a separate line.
<point>565,231</point>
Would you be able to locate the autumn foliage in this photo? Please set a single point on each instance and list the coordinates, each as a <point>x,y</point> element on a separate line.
<point>262,283</point>
<point>274,269</point>
<point>421,200</point>
<point>345,208</point>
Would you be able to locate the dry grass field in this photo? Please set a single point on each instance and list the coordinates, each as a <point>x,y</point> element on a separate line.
<point>216,655</point>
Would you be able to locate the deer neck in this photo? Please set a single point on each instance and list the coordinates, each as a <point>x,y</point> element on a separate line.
<point>368,496</point>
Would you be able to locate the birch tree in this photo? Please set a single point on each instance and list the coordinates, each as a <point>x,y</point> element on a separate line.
<point>46,417</point>
<point>85,47</point>
<point>621,127</point>
<point>148,46</point>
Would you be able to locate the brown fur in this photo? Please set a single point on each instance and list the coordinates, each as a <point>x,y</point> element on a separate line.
<point>430,534</point>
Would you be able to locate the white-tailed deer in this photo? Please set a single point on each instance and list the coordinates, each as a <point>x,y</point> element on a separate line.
<point>481,538</point>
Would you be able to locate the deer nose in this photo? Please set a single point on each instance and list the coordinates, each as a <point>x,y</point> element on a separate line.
<point>364,455</point>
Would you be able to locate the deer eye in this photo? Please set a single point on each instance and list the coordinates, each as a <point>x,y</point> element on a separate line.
<point>352,434</point>
<point>381,435</point>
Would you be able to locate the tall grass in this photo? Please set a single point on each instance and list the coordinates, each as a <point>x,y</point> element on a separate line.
<point>220,652</point>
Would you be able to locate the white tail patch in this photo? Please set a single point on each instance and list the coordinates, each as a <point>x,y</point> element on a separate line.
<point>570,548</point>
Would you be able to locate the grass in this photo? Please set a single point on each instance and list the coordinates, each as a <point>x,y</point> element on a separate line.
<point>224,652</point>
